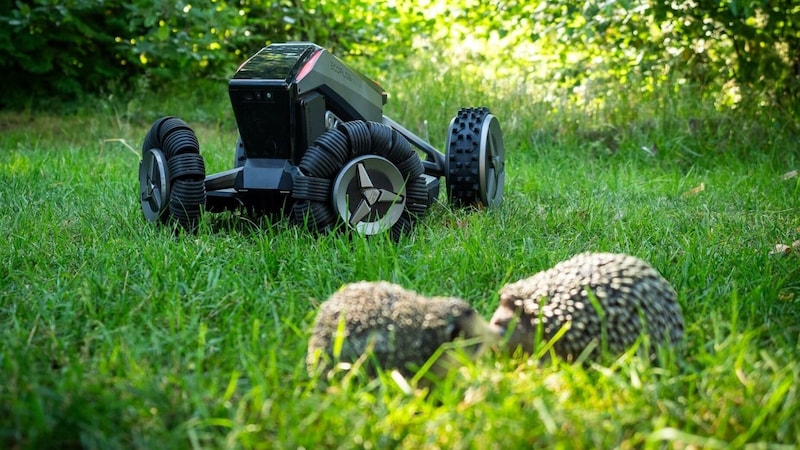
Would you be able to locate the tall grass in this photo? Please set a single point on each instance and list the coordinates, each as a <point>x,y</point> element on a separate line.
<point>117,333</point>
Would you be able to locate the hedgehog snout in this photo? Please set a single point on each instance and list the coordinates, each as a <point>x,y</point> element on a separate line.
<point>501,320</point>
<point>511,331</point>
<point>471,325</point>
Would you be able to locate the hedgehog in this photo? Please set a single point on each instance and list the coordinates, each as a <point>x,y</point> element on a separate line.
<point>399,328</point>
<point>605,300</point>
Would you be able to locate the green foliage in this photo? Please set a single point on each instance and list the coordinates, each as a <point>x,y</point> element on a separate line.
<point>733,48</point>
<point>65,49</point>
<point>739,50</point>
<point>754,42</point>
<point>55,48</point>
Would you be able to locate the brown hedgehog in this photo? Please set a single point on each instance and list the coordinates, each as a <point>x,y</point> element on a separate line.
<point>400,328</point>
<point>588,293</point>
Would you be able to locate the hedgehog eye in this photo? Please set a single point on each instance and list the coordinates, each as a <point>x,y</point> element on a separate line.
<point>453,331</point>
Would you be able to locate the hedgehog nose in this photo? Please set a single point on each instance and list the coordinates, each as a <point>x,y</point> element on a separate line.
<point>497,329</point>
<point>500,321</point>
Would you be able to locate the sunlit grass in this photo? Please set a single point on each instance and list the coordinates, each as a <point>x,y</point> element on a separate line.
<point>117,333</point>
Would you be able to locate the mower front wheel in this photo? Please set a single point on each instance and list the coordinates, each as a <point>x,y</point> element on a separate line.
<point>369,194</point>
<point>364,175</point>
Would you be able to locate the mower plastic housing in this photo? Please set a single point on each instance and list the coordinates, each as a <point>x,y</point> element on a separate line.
<point>313,141</point>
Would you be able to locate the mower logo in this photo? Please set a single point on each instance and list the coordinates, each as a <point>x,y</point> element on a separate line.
<point>339,70</point>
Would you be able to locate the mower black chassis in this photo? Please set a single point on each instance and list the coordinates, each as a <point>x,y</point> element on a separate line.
<point>313,142</point>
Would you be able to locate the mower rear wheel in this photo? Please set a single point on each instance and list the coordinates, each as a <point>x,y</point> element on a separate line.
<point>172,174</point>
<point>475,159</point>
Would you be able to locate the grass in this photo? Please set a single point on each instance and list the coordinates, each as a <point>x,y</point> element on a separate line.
<point>116,333</point>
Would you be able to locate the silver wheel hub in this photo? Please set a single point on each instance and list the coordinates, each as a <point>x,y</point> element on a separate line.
<point>492,163</point>
<point>153,184</point>
<point>369,194</point>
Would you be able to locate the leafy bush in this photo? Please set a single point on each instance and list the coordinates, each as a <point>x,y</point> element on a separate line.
<point>52,48</point>
<point>591,48</point>
<point>754,42</point>
<point>65,48</point>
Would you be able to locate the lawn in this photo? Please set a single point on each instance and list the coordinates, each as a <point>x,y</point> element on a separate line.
<point>118,333</point>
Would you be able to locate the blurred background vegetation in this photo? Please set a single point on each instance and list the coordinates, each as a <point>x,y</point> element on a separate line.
<point>590,51</point>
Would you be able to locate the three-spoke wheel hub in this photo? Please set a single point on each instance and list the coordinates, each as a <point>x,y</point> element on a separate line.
<point>369,194</point>
<point>153,184</point>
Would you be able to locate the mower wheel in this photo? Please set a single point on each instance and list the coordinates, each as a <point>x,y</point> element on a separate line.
<point>362,174</point>
<point>475,159</point>
<point>172,174</point>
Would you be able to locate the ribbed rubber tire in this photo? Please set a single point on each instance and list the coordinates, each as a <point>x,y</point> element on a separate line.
<point>186,197</point>
<point>185,170</point>
<point>186,166</point>
<point>331,151</point>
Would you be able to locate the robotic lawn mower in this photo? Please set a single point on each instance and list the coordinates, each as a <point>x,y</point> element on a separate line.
<point>314,145</point>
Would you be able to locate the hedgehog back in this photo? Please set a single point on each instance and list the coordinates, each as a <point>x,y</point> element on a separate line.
<point>591,291</point>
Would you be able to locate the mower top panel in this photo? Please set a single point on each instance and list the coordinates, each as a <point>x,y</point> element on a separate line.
<point>276,62</point>
<point>270,90</point>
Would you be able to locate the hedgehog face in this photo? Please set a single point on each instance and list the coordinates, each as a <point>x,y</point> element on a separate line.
<point>463,326</point>
<point>505,322</point>
<point>461,321</point>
